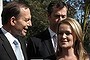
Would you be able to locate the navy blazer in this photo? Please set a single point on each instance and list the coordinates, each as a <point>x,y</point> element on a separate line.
<point>41,46</point>
<point>6,51</point>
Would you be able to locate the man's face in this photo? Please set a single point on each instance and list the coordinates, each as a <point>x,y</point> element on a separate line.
<point>21,25</point>
<point>57,15</point>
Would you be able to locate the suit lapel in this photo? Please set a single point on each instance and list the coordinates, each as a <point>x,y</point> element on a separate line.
<point>48,42</point>
<point>7,46</point>
<point>49,46</point>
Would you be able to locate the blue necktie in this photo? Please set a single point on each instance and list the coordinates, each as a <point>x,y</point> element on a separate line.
<point>18,53</point>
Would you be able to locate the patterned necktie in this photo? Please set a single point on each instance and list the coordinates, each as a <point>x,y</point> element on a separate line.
<point>18,51</point>
<point>55,42</point>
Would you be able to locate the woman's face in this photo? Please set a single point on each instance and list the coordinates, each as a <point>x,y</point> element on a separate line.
<point>66,36</point>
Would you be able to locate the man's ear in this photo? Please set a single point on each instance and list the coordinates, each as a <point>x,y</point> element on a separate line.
<point>13,21</point>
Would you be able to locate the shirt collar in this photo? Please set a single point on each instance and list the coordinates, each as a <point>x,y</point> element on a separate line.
<point>9,36</point>
<point>51,32</point>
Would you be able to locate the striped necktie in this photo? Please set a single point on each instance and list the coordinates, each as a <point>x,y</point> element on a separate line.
<point>55,42</point>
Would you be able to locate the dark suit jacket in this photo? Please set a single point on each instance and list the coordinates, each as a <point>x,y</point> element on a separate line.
<point>41,46</point>
<point>6,51</point>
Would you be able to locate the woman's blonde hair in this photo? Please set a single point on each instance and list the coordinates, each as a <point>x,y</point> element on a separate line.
<point>78,45</point>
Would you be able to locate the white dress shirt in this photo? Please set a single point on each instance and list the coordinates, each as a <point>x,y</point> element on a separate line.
<point>52,34</point>
<point>11,39</point>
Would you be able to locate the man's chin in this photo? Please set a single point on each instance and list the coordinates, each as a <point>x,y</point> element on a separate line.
<point>24,34</point>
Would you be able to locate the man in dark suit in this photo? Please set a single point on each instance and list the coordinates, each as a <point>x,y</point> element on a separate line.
<point>16,18</point>
<point>43,45</point>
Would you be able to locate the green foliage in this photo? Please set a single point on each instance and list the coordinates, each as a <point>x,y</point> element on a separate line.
<point>86,27</point>
<point>39,16</point>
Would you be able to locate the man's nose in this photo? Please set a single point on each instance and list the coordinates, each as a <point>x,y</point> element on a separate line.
<point>29,23</point>
<point>60,18</point>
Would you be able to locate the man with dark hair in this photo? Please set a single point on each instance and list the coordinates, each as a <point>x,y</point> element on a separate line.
<point>16,17</point>
<point>43,46</point>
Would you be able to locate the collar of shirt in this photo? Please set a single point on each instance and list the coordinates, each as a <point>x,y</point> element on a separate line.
<point>51,32</point>
<point>9,37</point>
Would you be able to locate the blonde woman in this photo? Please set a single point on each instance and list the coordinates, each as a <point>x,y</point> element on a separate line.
<point>70,39</point>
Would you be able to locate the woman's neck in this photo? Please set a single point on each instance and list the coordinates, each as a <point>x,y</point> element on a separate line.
<point>67,54</point>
